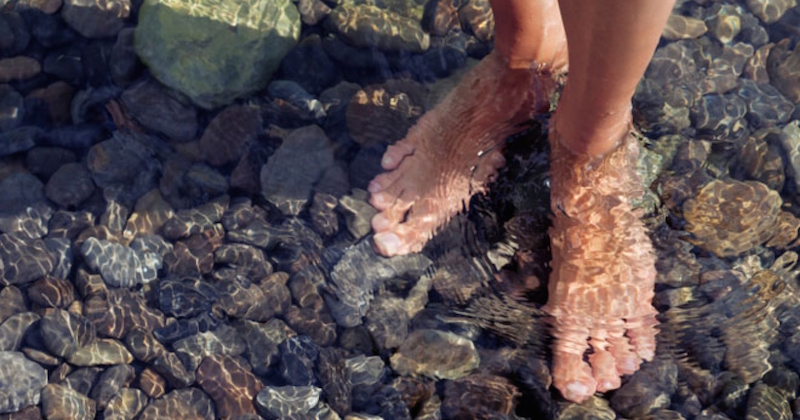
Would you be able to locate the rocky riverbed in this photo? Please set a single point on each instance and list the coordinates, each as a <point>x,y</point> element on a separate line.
<point>184,226</point>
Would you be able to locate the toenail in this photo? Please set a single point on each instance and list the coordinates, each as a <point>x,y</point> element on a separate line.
<point>389,241</point>
<point>577,389</point>
<point>387,160</point>
<point>373,187</point>
<point>380,222</point>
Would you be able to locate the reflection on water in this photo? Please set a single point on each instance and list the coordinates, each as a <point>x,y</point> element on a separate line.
<point>175,253</point>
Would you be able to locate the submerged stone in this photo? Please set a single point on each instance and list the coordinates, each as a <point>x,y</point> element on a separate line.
<point>215,51</point>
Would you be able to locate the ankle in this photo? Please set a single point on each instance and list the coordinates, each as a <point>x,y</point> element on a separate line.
<point>594,135</point>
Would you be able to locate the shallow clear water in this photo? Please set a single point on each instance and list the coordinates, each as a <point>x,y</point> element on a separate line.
<point>199,252</point>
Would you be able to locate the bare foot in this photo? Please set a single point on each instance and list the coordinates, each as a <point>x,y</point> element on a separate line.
<point>452,152</point>
<point>601,286</point>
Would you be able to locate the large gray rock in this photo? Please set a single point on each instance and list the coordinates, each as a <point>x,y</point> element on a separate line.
<point>215,51</point>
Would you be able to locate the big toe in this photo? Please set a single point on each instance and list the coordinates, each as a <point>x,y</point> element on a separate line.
<point>573,377</point>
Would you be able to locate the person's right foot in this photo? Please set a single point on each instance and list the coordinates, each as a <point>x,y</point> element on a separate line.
<point>452,152</point>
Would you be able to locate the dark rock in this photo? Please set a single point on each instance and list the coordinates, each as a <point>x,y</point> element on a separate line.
<point>65,63</point>
<point>23,259</point>
<point>230,384</point>
<point>172,369</point>
<point>114,312</point>
<point>64,332</point>
<point>126,404</point>
<point>21,381</point>
<point>119,265</point>
<point>61,402</point>
<point>481,396</point>
<point>123,64</point>
<point>12,301</point>
<point>298,356</point>
<point>190,403</point>
<point>230,133</point>
<point>14,34</point>
<point>369,26</point>
<point>435,354</point>
<point>12,112</point>
<point>154,108</point>
<point>224,340</point>
<point>308,65</point>
<point>282,182</point>
<point>647,390</point>
<point>19,139</point>
<point>766,107</point>
<point>96,19</point>
<point>52,292</point>
<point>387,322</point>
<point>44,161</point>
<point>287,401</point>
<point>18,68</point>
<point>111,381</point>
<point>262,340</point>
<point>14,329</point>
<point>70,185</point>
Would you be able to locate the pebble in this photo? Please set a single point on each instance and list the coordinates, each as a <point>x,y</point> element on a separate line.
<point>23,259</point>
<point>783,66</point>
<point>357,212</point>
<point>766,402</point>
<point>770,11</point>
<point>154,108</point>
<point>370,26</point>
<point>12,301</point>
<point>173,370</point>
<point>125,404</point>
<point>230,133</point>
<point>14,328</point>
<point>110,382</point>
<point>70,185</point>
<point>423,353</point>
<point>115,312</point>
<point>683,27</point>
<point>283,402</point>
<point>12,113</point>
<point>21,381</point>
<point>230,384</point>
<point>64,332</point>
<point>222,341</point>
<point>387,322</point>
<point>61,402</point>
<point>282,183</point>
<point>188,404</point>
<point>479,396</point>
<point>119,265</point>
<point>262,342</point>
<point>123,64</point>
<point>18,68</point>
<point>103,351</point>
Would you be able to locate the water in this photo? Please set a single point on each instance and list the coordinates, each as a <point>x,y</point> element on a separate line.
<point>220,249</point>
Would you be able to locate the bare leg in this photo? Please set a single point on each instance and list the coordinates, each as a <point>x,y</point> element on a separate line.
<point>456,148</point>
<point>601,287</point>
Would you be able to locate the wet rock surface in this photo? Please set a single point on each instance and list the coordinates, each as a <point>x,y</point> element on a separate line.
<point>176,244</point>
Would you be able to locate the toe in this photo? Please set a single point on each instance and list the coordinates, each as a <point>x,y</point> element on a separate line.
<point>627,361</point>
<point>395,154</point>
<point>604,370</point>
<point>487,169</point>
<point>573,377</point>
<point>643,337</point>
<point>384,181</point>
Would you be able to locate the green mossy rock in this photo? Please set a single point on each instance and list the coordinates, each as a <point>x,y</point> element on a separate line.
<point>215,51</point>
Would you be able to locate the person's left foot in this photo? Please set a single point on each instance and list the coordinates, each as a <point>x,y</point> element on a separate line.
<point>602,284</point>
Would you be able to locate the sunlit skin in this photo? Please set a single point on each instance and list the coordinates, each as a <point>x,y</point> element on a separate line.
<point>603,266</point>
